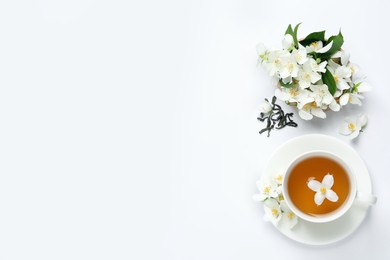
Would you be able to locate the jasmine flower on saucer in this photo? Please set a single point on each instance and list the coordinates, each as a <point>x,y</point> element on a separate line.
<point>287,215</point>
<point>352,126</point>
<point>323,189</point>
<point>278,178</point>
<point>275,207</point>
<point>272,210</point>
<point>267,190</point>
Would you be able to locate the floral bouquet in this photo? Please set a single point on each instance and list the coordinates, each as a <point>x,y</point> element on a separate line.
<point>314,74</point>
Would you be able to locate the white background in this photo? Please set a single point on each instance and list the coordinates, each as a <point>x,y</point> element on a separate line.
<point>128,128</point>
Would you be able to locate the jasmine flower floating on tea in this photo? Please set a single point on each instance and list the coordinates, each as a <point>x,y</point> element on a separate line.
<point>323,189</point>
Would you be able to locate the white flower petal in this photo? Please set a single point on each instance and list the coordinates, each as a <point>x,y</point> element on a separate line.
<point>318,112</point>
<point>337,93</point>
<point>337,55</point>
<point>271,203</point>
<point>287,79</point>
<point>332,66</point>
<point>287,41</point>
<point>334,106</point>
<point>273,193</point>
<point>344,58</point>
<point>344,129</point>
<point>288,216</point>
<point>283,206</point>
<point>363,119</point>
<point>354,134</point>
<point>344,99</point>
<point>322,66</point>
<point>265,107</point>
<point>261,49</point>
<point>304,84</point>
<point>278,178</point>
<point>343,72</point>
<point>355,99</point>
<point>357,74</point>
<point>282,95</point>
<point>328,181</point>
<point>314,185</point>
<point>305,115</point>
<point>272,209</point>
<point>342,84</point>
<point>319,198</point>
<point>284,73</point>
<point>331,195</point>
<point>314,76</point>
<point>364,87</point>
<point>328,99</point>
<point>326,48</point>
<point>293,221</point>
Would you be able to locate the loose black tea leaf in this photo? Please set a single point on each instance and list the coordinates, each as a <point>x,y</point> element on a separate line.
<point>276,118</point>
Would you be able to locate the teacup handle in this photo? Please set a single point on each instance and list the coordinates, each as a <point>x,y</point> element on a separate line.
<point>368,199</point>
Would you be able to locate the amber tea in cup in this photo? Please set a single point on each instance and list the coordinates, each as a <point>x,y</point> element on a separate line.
<point>316,167</point>
<point>313,167</point>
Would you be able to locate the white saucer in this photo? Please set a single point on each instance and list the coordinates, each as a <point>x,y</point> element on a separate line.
<point>332,232</point>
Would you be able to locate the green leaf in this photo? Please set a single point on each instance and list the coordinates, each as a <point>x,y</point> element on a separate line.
<point>328,79</point>
<point>285,85</point>
<point>295,34</point>
<point>338,41</point>
<point>289,30</point>
<point>313,37</point>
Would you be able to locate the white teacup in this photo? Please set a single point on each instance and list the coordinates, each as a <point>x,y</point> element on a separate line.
<point>354,194</point>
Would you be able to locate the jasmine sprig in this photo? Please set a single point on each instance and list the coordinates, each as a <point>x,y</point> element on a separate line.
<point>275,117</point>
<point>314,74</point>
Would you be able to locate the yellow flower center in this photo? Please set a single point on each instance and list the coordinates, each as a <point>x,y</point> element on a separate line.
<point>310,105</point>
<point>275,212</point>
<point>279,178</point>
<point>293,92</point>
<point>323,190</point>
<point>336,79</point>
<point>351,126</point>
<point>314,45</point>
<point>306,76</point>
<point>290,215</point>
<point>267,189</point>
<point>290,67</point>
<point>280,197</point>
<point>350,99</point>
<point>298,56</point>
